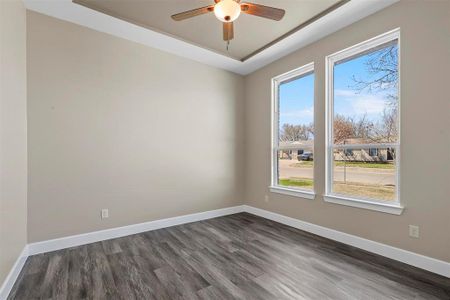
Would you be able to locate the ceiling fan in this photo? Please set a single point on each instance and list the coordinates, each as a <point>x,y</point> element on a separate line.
<point>229,10</point>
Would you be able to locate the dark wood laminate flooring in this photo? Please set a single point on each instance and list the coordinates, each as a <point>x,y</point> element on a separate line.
<point>239,256</point>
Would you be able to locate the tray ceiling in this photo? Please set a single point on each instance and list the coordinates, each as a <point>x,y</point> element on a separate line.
<point>321,25</point>
<point>251,33</point>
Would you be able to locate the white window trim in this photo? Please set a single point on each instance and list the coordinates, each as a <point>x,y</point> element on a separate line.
<point>395,207</point>
<point>274,187</point>
<point>292,192</point>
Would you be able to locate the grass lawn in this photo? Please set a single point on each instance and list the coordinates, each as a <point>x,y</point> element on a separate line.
<point>350,164</point>
<point>374,191</point>
<point>296,182</point>
<point>358,164</point>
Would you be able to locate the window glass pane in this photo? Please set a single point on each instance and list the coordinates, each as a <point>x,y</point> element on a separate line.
<point>296,111</point>
<point>296,130</point>
<point>366,97</point>
<point>296,170</point>
<point>361,175</point>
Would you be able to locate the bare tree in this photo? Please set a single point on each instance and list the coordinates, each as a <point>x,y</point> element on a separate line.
<point>362,128</point>
<point>382,65</point>
<point>343,129</point>
<point>292,133</point>
<point>386,130</point>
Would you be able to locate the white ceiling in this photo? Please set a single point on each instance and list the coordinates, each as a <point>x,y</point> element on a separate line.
<point>250,32</point>
<point>207,50</point>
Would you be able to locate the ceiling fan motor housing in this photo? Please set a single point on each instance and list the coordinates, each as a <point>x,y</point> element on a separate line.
<point>227,10</point>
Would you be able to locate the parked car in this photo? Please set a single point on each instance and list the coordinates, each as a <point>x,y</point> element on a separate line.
<point>305,156</point>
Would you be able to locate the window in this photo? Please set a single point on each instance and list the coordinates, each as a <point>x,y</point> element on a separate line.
<point>348,152</point>
<point>363,124</point>
<point>293,132</point>
<point>373,152</point>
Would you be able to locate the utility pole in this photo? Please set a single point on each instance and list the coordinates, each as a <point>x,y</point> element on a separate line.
<point>345,164</point>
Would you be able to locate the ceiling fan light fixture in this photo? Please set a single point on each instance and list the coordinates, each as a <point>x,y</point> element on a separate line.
<point>227,10</point>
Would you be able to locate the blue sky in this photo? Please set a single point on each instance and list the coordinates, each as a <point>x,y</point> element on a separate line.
<point>297,101</point>
<point>351,103</point>
<point>297,97</point>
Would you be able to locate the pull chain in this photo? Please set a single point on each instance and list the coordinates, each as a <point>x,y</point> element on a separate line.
<point>228,44</point>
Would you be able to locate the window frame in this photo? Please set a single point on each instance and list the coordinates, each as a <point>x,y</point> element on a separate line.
<point>393,207</point>
<point>275,148</point>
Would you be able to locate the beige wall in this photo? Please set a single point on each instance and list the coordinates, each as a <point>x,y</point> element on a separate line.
<point>13,134</point>
<point>425,131</point>
<point>114,124</point>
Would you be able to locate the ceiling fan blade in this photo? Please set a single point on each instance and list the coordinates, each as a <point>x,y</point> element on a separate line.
<point>228,32</point>
<point>262,11</point>
<point>192,13</point>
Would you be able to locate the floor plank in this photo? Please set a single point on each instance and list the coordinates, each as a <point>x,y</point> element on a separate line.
<point>240,256</point>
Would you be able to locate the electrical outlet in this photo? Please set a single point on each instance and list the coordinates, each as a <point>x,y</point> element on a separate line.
<point>266,198</point>
<point>414,231</point>
<point>105,213</point>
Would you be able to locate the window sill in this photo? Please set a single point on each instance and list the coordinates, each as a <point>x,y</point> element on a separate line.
<point>395,209</point>
<point>292,192</point>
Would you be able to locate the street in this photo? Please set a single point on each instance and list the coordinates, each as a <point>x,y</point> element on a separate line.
<point>353,174</point>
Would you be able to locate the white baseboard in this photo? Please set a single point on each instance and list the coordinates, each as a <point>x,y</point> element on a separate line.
<point>417,260</point>
<point>96,236</point>
<point>411,258</point>
<point>11,278</point>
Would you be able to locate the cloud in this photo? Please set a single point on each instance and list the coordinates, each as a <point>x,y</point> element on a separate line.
<point>369,105</point>
<point>360,104</point>
<point>303,113</point>
<point>344,93</point>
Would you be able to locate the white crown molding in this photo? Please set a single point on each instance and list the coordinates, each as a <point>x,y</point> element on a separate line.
<point>341,17</point>
<point>11,278</point>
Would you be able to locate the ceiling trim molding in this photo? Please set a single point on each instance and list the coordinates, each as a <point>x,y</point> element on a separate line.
<point>115,15</point>
<point>298,28</point>
<point>331,22</point>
